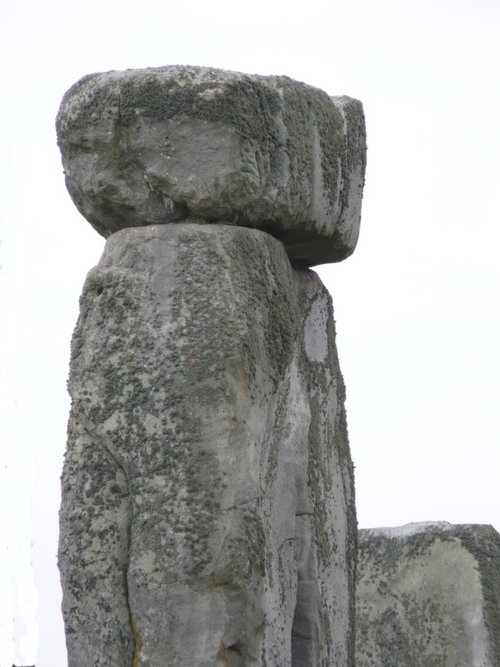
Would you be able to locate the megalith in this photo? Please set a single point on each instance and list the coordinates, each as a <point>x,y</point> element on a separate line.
<point>146,147</point>
<point>428,594</point>
<point>207,513</point>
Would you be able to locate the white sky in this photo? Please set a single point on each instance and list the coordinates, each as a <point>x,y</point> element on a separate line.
<point>416,306</point>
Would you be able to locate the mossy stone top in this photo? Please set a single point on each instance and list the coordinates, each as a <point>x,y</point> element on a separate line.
<point>161,145</point>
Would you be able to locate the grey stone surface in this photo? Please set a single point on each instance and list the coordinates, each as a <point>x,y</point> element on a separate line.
<point>143,147</point>
<point>428,595</point>
<point>208,504</point>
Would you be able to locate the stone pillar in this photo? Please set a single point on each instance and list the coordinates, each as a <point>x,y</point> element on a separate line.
<point>208,501</point>
<point>428,594</point>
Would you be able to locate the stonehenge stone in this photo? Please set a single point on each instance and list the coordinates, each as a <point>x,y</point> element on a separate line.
<point>208,501</point>
<point>207,515</point>
<point>428,594</point>
<point>169,144</point>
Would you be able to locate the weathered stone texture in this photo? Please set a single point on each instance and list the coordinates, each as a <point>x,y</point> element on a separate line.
<point>428,594</point>
<point>143,147</point>
<point>208,503</point>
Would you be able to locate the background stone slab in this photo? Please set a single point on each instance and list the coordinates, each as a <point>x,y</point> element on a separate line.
<point>428,594</point>
<point>143,147</point>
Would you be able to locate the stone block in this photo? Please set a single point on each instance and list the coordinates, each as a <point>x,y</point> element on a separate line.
<point>428,594</point>
<point>162,145</point>
<point>207,510</point>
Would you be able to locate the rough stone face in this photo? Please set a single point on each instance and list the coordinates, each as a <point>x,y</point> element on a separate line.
<point>143,147</point>
<point>428,594</point>
<point>208,504</point>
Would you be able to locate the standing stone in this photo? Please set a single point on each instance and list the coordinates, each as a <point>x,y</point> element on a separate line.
<point>207,512</point>
<point>428,594</point>
<point>208,496</point>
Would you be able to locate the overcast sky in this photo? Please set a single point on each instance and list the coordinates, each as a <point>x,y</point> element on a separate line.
<point>417,304</point>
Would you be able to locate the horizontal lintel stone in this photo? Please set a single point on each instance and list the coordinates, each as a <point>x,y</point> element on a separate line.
<point>170,144</point>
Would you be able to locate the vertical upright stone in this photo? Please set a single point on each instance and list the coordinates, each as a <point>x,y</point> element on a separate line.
<point>208,499</point>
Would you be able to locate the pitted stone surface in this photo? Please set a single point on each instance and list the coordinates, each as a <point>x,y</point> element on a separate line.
<point>152,146</point>
<point>208,504</point>
<point>428,594</point>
